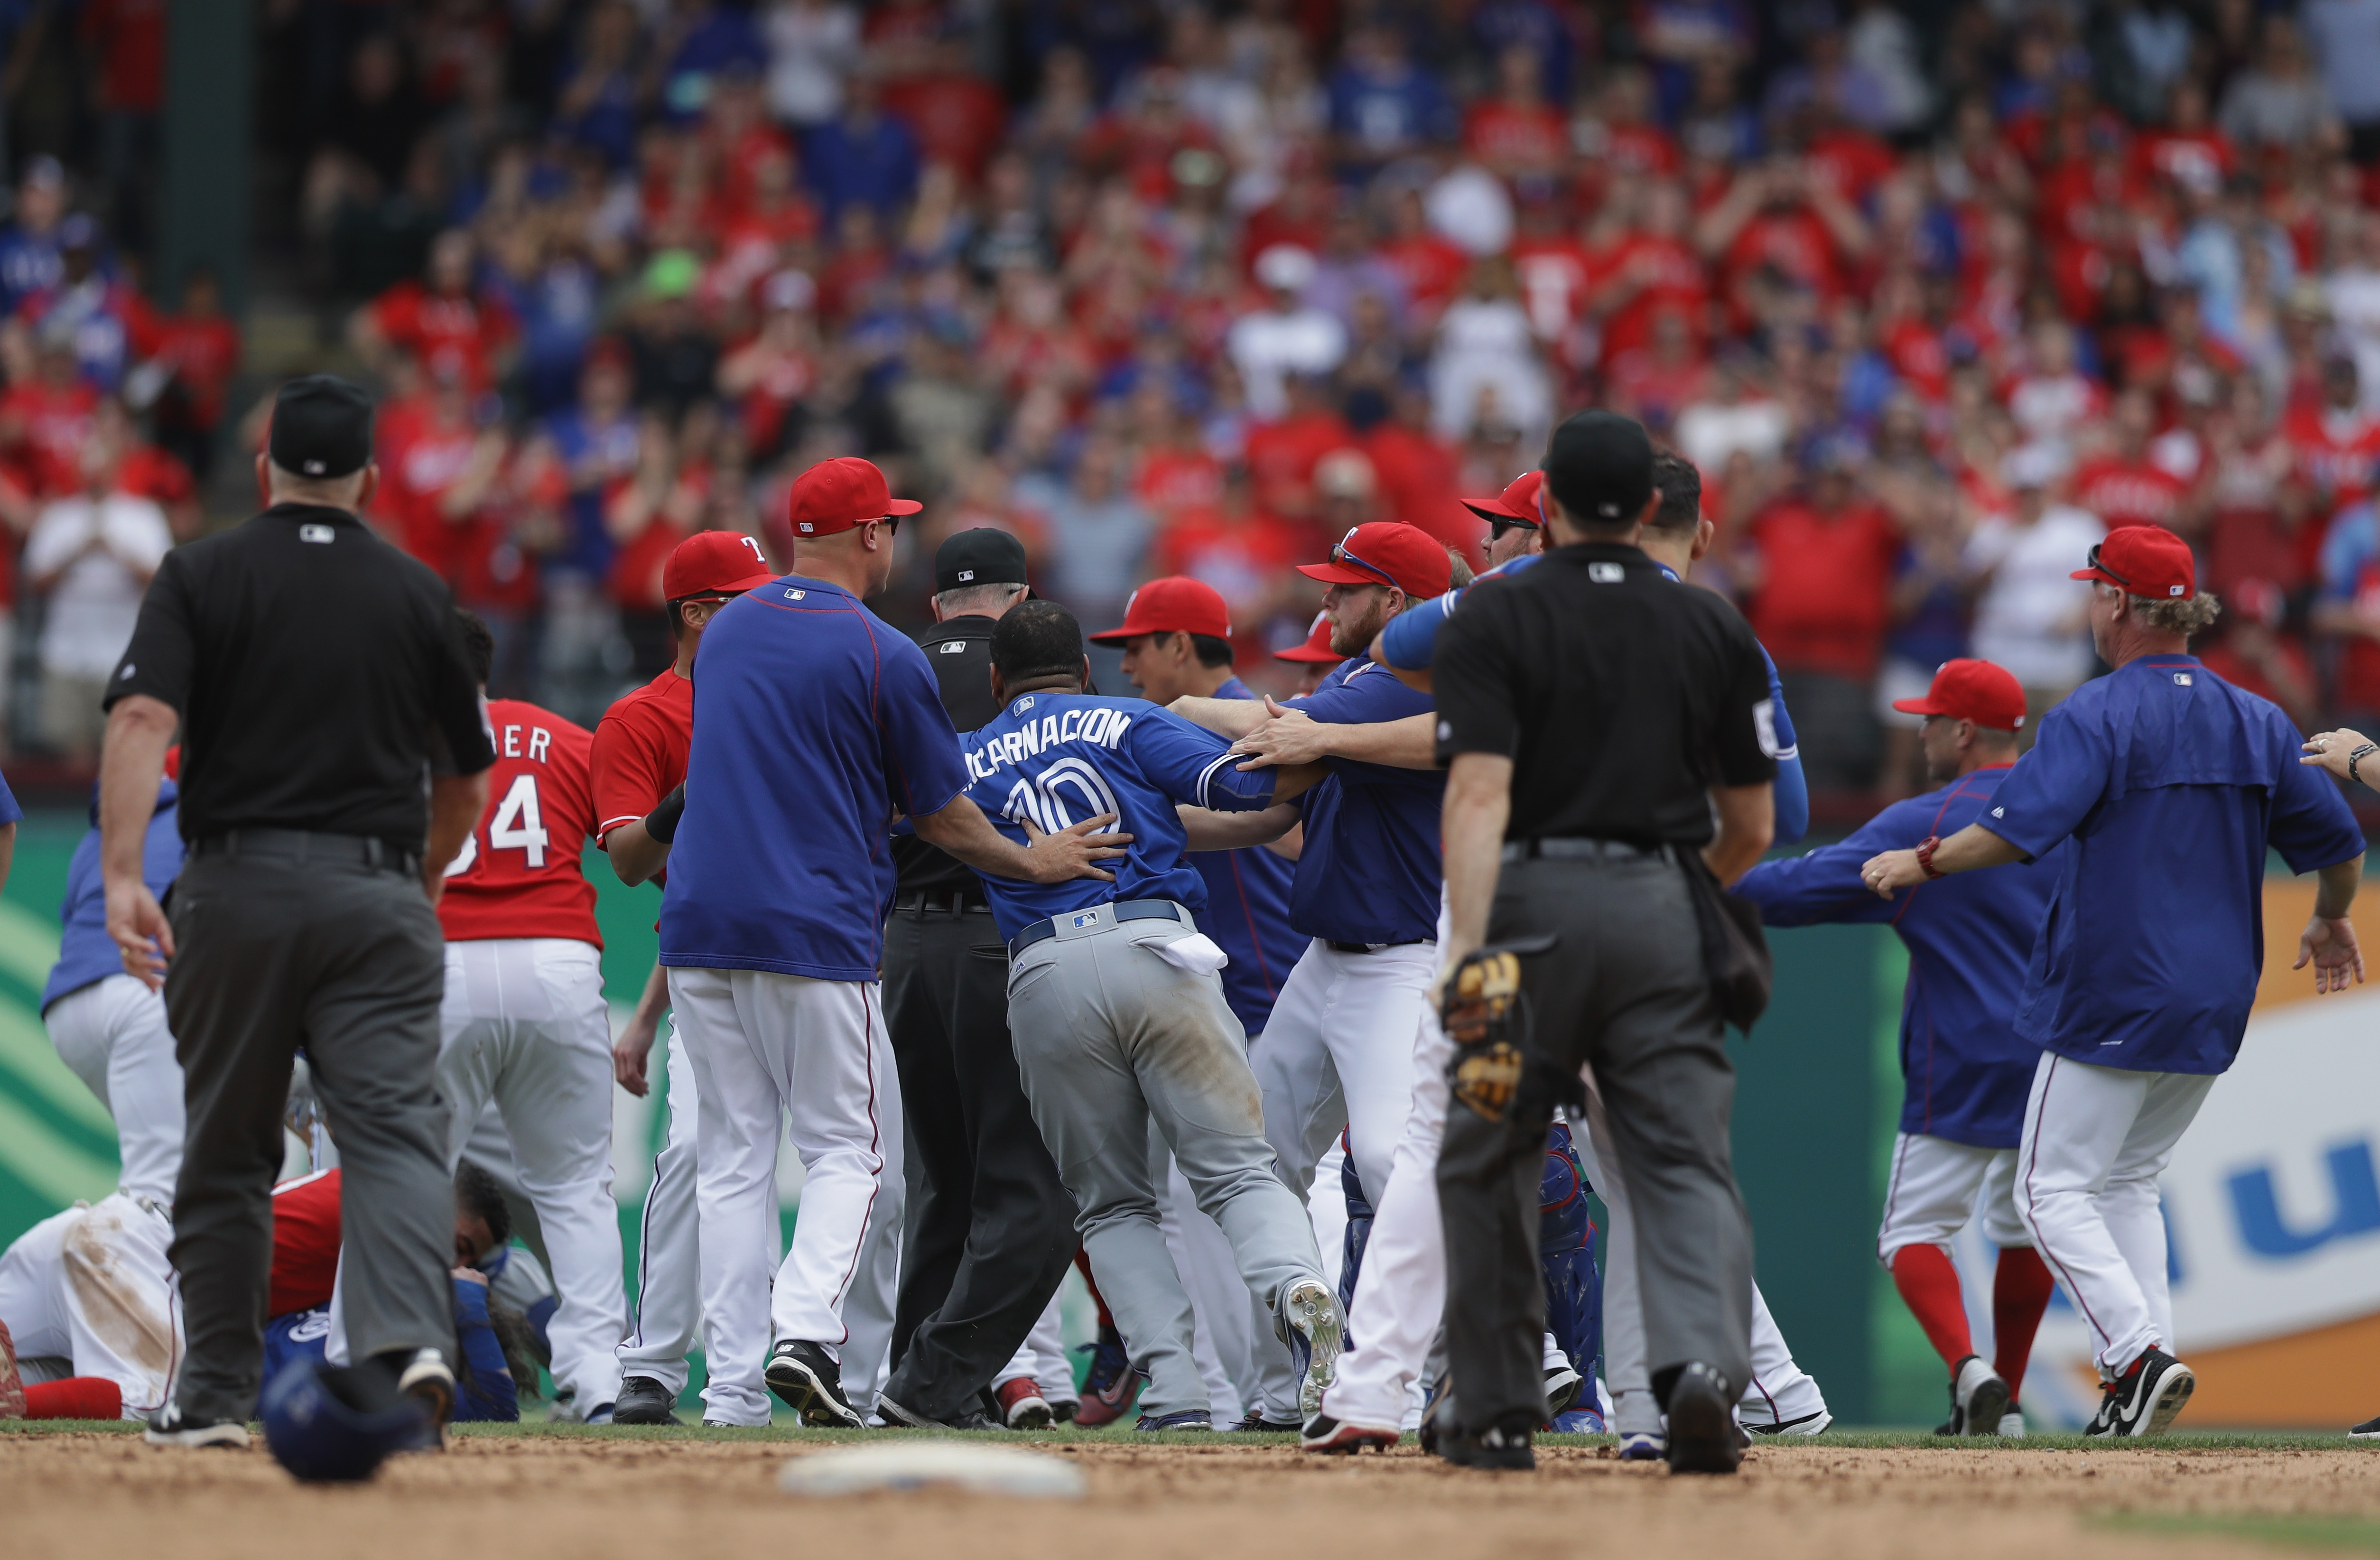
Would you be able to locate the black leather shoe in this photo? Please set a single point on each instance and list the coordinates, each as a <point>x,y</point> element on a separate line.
<point>643,1400</point>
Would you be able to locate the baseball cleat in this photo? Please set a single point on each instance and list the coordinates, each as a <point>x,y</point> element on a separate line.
<point>169,1427</point>
<point>811,1383</point>
<point>1500,1447</point>
<point>2012,1425</point>
<point>1112,1385</point>
<point>1022,1407</point>
<point>1702,1422</point>
<point>1186,1419</point>
<point>1317,1334</point>
<point>2145,1400</point>
<point>1562,1384</point>
<point>2367,1430</point>
<point>1063,1410</point>
<point>1333,1437</point>
<point>1641,1446</point>
<point>1254,1422</point>
<point>428,1379</point>
<point>644,1401</point>
<point>1813,1423</point>
<point>1978,1397</point>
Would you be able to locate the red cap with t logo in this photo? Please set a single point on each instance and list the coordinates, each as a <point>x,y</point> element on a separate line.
<point>1176,604</point>
<point>714,564</point>
<point>1972,690</point>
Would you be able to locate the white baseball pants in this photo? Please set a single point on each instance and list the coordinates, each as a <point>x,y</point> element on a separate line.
<point>93,1286</point>
<point>764,1044</point>
<point>524,1024</point>
<point>2096,1140</point>
<point>1937,1188</point>
<point>669,1273</point>
<point>112,1034</point>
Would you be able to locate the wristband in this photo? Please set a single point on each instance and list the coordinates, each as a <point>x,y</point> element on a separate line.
<point>1926,849</point>
<point>2357,757</point>
<point>662,823</point>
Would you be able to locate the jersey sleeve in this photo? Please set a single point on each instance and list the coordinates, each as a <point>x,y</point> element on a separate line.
<point>1792,785</point>
<point>1406,643</point>
<point>1824,885</point>
<point>1471,670</point>
<point>2053,787</point>
<point>1196,767</point>
<point>160,658</point>
<point>1744,740</point>
<point>923,768</point>
<point>2312,824</point>
<point>626,766</point>
<point>487,1391</point>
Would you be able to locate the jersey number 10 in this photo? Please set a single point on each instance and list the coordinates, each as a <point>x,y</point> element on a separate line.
<point>1043,798</point>
<point>518,825</point>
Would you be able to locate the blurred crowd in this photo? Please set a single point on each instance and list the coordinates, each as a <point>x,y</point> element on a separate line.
<point>1933,296</point>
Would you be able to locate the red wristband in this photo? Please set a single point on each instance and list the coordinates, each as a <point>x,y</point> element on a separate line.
<point>1926,849</point>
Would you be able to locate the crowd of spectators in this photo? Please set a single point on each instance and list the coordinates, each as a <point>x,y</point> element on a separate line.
<point>1932,295</point>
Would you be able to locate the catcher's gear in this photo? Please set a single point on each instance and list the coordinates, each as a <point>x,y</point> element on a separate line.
<point>1486,1016</point>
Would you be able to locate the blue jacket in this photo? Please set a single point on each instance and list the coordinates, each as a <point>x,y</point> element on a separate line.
<point>1969,937</point>
<point>86,954</point>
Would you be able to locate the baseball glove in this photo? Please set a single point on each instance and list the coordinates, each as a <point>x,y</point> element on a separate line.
<point>1481,1007</point>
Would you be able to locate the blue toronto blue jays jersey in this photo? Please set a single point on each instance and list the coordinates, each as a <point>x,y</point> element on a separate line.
<point>86,953</point>
<point>1412,635</point>
<point>1247,914</point>
<point>1970,937</point>
<point>1370,870</point>
<point>816,724</point>
<point>2171,783</point>
<point>1060,758</point>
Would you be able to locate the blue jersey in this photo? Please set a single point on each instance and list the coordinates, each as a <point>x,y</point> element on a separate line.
<point>1370,870</point>
<point>816,724</point>
<point>1247,914</point>
<point>2172,783</point>
<point>1411,637</point>
<point>1969,937</point>
<point>1058,758</point>
<point>484,1389</point>
<point>86,953</point>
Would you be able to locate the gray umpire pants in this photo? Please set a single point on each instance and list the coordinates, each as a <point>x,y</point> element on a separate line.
<point>1110,1038</point>
<point>1623,991</point>
<point>284,942</point>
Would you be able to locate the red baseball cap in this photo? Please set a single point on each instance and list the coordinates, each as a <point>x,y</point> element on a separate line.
<point>1972,690</point>
<point>1176,604</point>
<point>841,494</point>
<point>1387,552</point>
<point>2143,561</point>
<point>1316,650</point>
<point>714,564</point>
<point>1521,502</point>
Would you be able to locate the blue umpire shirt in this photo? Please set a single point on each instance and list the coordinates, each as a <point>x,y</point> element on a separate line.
<point>1410,637</point>
<point>1058,758</point>
<point>1247,914</point>
<point>86,954</point>
<point>816,724</point>
<point>1969,937</point>
<point>1370,870</point>
<point>2171,783</point>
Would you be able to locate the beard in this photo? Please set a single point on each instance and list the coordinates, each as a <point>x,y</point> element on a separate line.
<point>1355,640</point>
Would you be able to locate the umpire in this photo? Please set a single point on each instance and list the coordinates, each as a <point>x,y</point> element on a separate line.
<point>319,679</point>
<point>1598,719</point>
<point>990,1226</point>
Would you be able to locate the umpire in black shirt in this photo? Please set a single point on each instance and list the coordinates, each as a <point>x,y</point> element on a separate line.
<point>991,1227</point>
<point>1604,726</point>
<point>335,755</point>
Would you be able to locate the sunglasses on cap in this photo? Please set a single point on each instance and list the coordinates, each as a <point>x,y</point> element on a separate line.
<point>2092,561</point>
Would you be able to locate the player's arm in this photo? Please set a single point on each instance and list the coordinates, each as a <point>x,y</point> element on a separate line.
<point>2044,798</point>
<point>635,1044</point>
<point>132,760</point>
<point>640,850</point>
<point>1232,719</point>
<point>1288,735</point>
<point>1211,830</point>
<point>960,827</point>
<point>1825,886</point>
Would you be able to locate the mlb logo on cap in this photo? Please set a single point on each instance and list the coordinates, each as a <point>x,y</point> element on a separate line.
<point>842,495</point>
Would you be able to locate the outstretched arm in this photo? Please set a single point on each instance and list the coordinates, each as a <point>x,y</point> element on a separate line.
<point>1972,847</point>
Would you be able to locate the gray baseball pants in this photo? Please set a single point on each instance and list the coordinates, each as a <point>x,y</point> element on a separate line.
<point>1110,1038</point>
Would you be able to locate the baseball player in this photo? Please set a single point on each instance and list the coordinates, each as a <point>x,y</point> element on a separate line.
<point>816,725</point>
<point>109,1028</point>
<point>1314,660</point>
<point>1969,939</point>
<point>2172,785</point>
<point>639,774</point>
<point>1339,1052</point>
<point>523,1022</point>
<point>1117,1008</point>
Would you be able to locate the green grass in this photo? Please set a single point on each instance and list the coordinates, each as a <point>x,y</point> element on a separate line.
<point>2360,1534</point>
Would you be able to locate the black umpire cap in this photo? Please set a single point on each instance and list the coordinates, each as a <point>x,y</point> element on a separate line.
<point>321,427</point>
<point>982,556</point>
<point>1599,464</point>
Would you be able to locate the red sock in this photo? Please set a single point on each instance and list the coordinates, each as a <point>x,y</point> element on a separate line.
<point>1929,1285</point>
<point>1083,1266</point>
<point>2020,1291</point>
<point>75,1398</point>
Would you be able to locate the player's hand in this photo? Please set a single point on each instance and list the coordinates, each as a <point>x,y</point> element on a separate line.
<point>1073,853</point>
<point>1287,736</point>
<point>433,882</point>
<point>471,1275</point>
<point>629,1053</point>
<point>2330,947</point>
<point>1888,872</point>
<point>2329,751</point>
<point>135,924</point>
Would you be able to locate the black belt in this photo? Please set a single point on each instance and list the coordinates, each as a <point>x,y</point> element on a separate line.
<point>1372,947</point>
<point>1581,848</point>
<point>304,846</point>
<point>947,901</point>
<point>1123,910</point>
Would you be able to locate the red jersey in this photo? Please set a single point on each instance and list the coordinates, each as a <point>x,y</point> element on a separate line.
<point>1429,266</point>
<point>641,751</point>
<point>1553,277</point>
<point>519,874</point>
<point>2129,492</point>
<point>2200,160</point>
<point>2335,451</point>
<point>46,427</point>
<point>1824,604</point>
<point>443,331</point>
<point>1178,482</point>
<point>1669,276</point>
<point>305,1242</point>
<point>1507,133</point>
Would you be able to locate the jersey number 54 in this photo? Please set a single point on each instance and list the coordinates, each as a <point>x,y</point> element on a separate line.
<point>516,825</point>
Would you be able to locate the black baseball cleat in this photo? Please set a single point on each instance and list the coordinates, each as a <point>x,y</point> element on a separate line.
<point>643,1400</point>
<point>971,1417</point>
<point>1334,1437</point>
<point>1702,1422</point>
<point>2368,1429</point>
<point>425,1377</point>
<point>1978,1395</point>
<point>1563,1385</point>
<point>1502,1447</point>
<point>2144,1399</point>
<point>810,1381</point>
<point>1254,1422</point>
<point>1181,1419</point>
<point>170,1427</point>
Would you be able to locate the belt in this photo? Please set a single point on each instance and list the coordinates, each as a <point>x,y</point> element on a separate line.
<point>1098,917</point>
<point>948,901</point>
<point>303,846</point>
<point>1371,946</point>
<point>1566,848</point>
